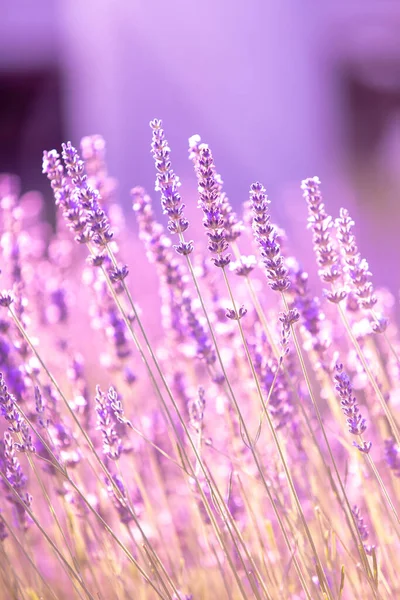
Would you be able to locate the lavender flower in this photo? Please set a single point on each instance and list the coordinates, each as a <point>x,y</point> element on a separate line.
<point>79,201</point>
<point>356,423</point>
<point>232,227</point>
<point>8,408</point>
<point>392,455</point>
<point>363,530</point>
<point>236,315</point>
<point>93,149</point>
<point>210,203</point>
<point>357,268</point>
<point>266,237</point>
<point>244,266</point>
<point>6,298</point>
<point>196,408</point>
<point>121,500</point>
<point>97,224</point>
<point>11,243</point>
<point>270,375</point>
<point>16,478</point>
<point>65,198</point>
<point>112,444</point>
<point>40,408</point>
<point>158,247</point>
<point>328,260</point>
<point>308,306</point>
<point>288,319</point>
<point>168,183</point>
<point>116,407</point>
<point>3,529</point>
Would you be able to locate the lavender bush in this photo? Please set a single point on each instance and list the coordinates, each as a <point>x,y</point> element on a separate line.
<point>242,443</point>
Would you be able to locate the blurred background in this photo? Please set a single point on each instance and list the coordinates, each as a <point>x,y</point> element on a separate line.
<point>281,90</point>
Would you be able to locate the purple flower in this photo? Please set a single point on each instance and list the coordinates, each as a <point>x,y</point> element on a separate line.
<point>16,478</point>
<point>330,269</point>
<point>288,319</point>
<point>363,530</point>
<point>6,298</point>
<point>210,203</point>
<point>355,422</point>
<point>8,408</point>
<point>266,236</point>
<point>112,444</point>
<point>3,529</point>
<point>392,455</point>
<point>244,266</point>
<point>205,349</point>
<point>196,408</point>
<point>236,315</point>
<point>116,407</point>
<point>308,306</point>
<point>79,201</point>
<point>167,182</point>
<point>357,268</point>
<point>172,273</point>
<point>121,500</point>
<point>232,227</point>
<point>280,402</point>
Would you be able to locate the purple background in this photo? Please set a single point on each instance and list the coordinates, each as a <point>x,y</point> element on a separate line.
<point>280,89</point>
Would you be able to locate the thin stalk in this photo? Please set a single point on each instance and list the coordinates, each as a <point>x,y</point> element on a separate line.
<point>147,343</point>
<point>76,420</point>
<point>6,562</point>
<point>320,422</point>
<point>383,488</point>
<point>277,443</point>
<point>52,510</point>
<point>242,422</point>
<point>384,406</point>
<point>230,522</point>
<point>263,320</point>
<point>153,567</point>
<point>64,473</point>
<point>70,569</point>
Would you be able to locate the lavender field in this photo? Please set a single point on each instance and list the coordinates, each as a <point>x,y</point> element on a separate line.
<point>231,434</point>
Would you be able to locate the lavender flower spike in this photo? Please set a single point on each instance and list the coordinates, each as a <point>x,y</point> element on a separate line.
<point>210,203</point>
<point>392,456</point>
<point>357,268</point>
<point>167,182</point>
<point>266,237</point>
<point>97,224</point>
<point>16,478</point>
<point>363,530</point>
<point>3,529</point>
<point>320,222</point>
<point>112,444</point>
<point>356,423</point>
<point>233,228</point>
<point>8,408</point>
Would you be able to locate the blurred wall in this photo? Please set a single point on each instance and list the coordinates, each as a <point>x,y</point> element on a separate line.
<point>280,89</point>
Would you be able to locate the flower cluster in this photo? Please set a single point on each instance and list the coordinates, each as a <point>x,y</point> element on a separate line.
<point>210,202</point>
<point>355,422</point>
<point>175,448</point>
<point>357,267</point>
<point>266,236</point>
<point>321,224</point>
<point>167,182</point>
<point>106,417</point>
<point>15,491</point>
